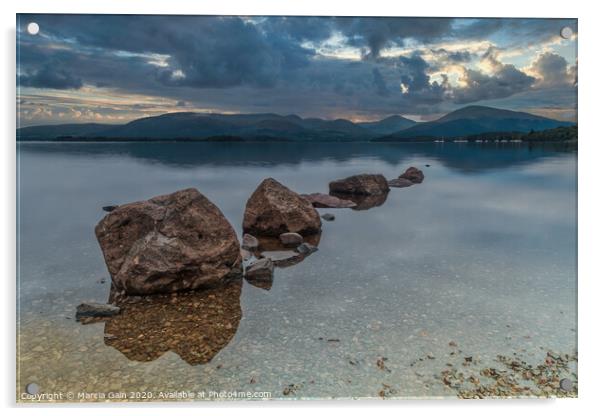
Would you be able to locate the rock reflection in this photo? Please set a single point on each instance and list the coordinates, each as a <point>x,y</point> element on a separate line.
<point>363,202</point>
<point>195,325</point>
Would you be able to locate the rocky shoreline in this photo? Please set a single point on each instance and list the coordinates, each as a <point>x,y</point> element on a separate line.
<point>182,241</point>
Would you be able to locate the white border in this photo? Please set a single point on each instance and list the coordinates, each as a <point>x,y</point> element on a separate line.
<point>590,156</point>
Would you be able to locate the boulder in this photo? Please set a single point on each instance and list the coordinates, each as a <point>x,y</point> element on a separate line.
<point>413,174</point>
<point>95,310</point>
<point>365,184</point>
<point>274,209</point>
<point>249,242</point>
<point>328,201</point>
<point>328,216</point>
<point>400,183</point>
<point>169,243</point>
<point>291,239</point>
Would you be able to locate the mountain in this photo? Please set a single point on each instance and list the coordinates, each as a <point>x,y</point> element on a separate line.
<point>187,125</point>
<point>55,130</point>
<point>473,120</point>
<point>274,127</point>
<point>388,125</point>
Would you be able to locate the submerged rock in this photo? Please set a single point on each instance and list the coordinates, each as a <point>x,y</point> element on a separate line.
<point>413,174</point>
<point>169,243</point>
<point>328,201</point>
<point>260,273</point>
<point>260,269</point>
<point>249,242</point>
<point>291,239</point>
<point>365,202</point>
<point>274,209</point>
<point>400,183</point>
<point>306,249</point>
<point>245,254</point>
<point>283,258</point>
<point>328,216</point>
<point>365,184</point>
<point>95,310</point>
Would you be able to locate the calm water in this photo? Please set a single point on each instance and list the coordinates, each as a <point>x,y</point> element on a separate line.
<point>481,255</point>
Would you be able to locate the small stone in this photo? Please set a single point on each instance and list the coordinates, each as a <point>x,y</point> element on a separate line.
<point>95,310</point>
<point>400,183</point>
<point>291,239</point>
<point>413,174</point>
<point>109,208</point>
<point>260,269</point>
<point>249,242</point>
<point>328,217</point>
<point>245,254</point>
<point>280,257</point>
<point>306,249</point>
<point>328,201</point>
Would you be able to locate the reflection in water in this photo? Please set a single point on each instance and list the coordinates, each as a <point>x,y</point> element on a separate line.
<point>264,282</point>
<point>363,202</point>
<point>195,325</point>
<point>465,157</point>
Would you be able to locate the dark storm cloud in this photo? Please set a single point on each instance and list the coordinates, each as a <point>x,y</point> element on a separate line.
<point>416,80</point>
<point>379,83</point>
<point>49,77</point>
<point>504,82</point>
<point>203,51</point>
<point>376,33</point>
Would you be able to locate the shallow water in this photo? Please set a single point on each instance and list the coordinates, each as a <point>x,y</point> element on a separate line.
<point>481,255</point>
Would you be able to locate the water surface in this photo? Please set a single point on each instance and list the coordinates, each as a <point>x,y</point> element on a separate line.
<point>478,260</point>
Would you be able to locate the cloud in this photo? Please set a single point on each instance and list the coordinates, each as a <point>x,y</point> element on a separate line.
<point>312,66</point>
<point>49,77</point>
<point>552,70</point>
<point>376,33</point>
<point>379,83</point>
<point>500,81</point>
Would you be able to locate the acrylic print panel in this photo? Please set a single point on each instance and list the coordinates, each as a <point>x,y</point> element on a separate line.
<point>251,208</point>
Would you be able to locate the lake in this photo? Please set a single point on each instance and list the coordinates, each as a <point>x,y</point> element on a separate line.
<point>478,261</point>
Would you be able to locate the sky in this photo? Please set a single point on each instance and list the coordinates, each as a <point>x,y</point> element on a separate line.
<point>116,68</point>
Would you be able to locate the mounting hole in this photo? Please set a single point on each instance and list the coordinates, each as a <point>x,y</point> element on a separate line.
<point>32,388</point>
<point>566,32</point>
<point>33,28</point>
<point>566,384</point>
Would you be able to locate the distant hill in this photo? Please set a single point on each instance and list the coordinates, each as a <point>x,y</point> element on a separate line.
<point>388,125</point>
<point>200,126</point>
<point>473,120</point>
<point>49,132</point>
<point>273,127</point>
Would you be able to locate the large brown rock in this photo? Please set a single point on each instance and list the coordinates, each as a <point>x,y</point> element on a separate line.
<point>169,243</point>
<point>365,184</point>
<point>274,209</point>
